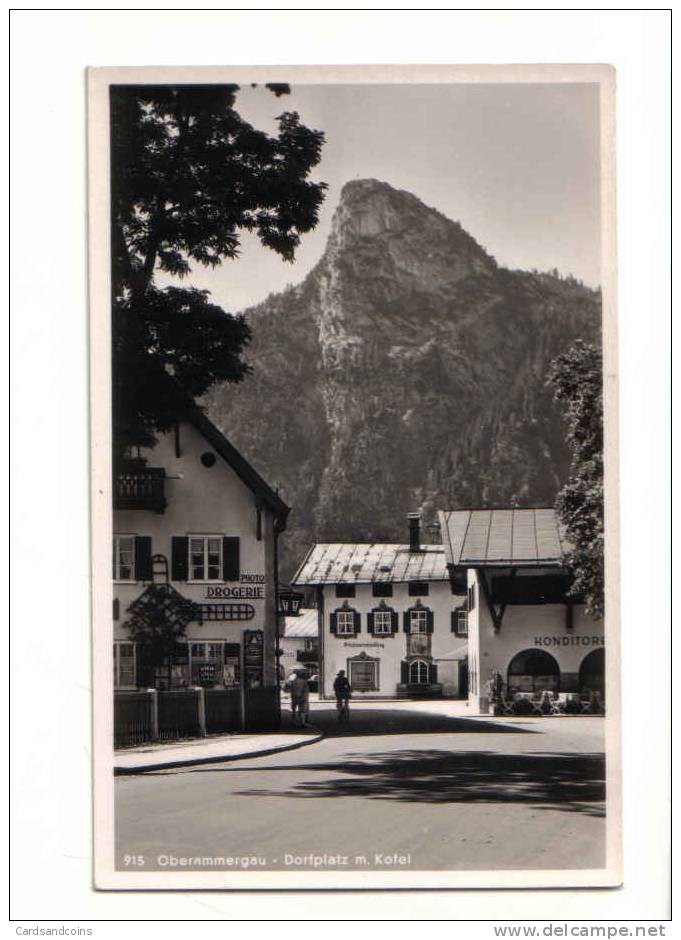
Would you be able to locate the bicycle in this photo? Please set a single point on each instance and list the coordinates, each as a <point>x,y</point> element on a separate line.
<point>343,706</point>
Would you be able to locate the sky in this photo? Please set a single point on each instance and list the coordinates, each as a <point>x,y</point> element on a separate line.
<point>518,165</point>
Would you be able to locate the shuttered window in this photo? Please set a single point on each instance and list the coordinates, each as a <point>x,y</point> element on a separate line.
<point>383,622</point>
<point>345,623</point>
<point>418,621</point>
<point>419,674</point>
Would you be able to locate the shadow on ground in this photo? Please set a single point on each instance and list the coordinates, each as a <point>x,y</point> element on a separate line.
<point>568,782</point>
<point>393,721</point>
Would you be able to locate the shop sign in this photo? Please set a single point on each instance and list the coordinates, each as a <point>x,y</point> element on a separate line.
<point>254,648</point>
<point>379,645</point>
<point>564,640</point>
<point>244,593</point>
<point>251,578</point>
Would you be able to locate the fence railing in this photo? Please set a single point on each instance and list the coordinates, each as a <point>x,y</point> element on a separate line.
<point>145,716</point>
<point>142,488</point>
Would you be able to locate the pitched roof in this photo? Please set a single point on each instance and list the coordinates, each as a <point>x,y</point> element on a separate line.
<point>502,537</point>
<point>344,562</point>
<point>243,469</point>
<point>306,624</point>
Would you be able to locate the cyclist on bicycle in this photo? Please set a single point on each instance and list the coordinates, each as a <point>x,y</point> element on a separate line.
<point>342,691</point>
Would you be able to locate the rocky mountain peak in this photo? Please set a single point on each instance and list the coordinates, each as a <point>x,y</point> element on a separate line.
<point>372,215</point>
<point>407,371</point>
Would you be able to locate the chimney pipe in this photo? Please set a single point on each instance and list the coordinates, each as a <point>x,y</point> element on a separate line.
<point>414,531</point>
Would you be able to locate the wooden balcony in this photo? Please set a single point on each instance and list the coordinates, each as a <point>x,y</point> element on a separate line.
<point>140,488</point>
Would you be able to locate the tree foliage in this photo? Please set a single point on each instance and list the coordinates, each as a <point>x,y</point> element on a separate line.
<point>188,176</point>
<point>576,378</point>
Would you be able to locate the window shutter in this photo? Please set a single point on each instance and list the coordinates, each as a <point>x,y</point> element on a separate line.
<point>143,558</point>
<point>404,673</point>
<point>116,608</point>
<point>394,621</point>
<point>405,621</point>
<point>429,621</point>
<point>454,616</point>
<point>180,558</point>
<point>370,622</point>
<point>432,672</point>
<point>333,622</point>
<point>358,621</point>
<point>230,558</point>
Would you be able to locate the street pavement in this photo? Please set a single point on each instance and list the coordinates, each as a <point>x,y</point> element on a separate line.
<point>398,787</point>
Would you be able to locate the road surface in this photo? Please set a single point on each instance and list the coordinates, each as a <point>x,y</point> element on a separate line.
<point>397,788</point>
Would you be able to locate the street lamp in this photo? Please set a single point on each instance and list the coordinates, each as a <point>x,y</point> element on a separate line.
<point>290,603</point>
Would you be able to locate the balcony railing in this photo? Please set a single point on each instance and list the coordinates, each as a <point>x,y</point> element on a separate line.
<point>140,488</point>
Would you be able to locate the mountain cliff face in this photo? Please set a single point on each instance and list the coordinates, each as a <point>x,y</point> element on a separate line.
<point>405,372</point>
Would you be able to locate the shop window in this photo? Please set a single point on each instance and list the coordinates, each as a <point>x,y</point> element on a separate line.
<point>345,590</point>
<point>418,588</point>
<point>363,675</point>
<point>124,665</point>
<point>124,558</point>
<point>533,671</point>
<point>205,558</point>
<point>382,589</point>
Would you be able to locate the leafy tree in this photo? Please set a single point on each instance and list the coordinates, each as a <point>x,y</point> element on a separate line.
<point>576,378</point>
<point>188,175</point>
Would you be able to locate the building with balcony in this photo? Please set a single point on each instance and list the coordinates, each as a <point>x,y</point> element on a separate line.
<point>300,644</point>
<point>522,623</point>
<point>195,532</point>
<point>390,616</point>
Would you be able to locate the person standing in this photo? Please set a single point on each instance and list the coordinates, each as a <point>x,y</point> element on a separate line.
<point>300,700</point>
<point>342,691</point>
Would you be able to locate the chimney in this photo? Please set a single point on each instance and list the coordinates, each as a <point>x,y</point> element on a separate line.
<point>414,531</point>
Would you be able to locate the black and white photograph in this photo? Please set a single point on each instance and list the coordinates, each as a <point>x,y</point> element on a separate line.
<point>354,531</point>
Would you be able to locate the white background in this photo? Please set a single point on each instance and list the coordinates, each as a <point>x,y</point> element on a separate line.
<point>51,773</point>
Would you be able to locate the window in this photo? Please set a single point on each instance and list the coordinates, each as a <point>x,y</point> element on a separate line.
<point>205,558</point>
<point>383,623</point>
<point>363,675</point>
<point>124,558</point>
<point>471,597</point>
<point>418,672</point>
<point>212,651</point>
<point>345,623</point>
<point>382,589</point>
<point>418,621</point>
<point>345,590</point>
<point>461,622</point>
<point>418,588</point>
<point>123,665</point>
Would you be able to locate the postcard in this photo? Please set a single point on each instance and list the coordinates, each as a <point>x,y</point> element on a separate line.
<point>354,486</point>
